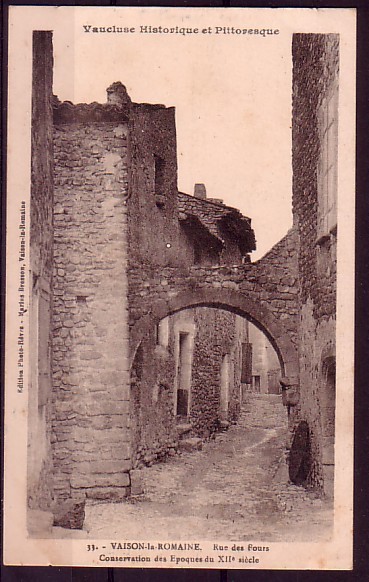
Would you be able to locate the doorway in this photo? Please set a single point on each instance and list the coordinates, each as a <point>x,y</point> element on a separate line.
<point>224,387</point>
<point>183,374</point>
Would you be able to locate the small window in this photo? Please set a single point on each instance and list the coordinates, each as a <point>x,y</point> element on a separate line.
<point>162,333</point>
<point>159,181</point>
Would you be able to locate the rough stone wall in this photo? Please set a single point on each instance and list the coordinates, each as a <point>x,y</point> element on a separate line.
<point>39,483</point>
<point>276,275</point>
<point>156,242</point>
<point>90,369</point>
<point>152,396</point>
<point>217,335</point>
<point>270,282</point>
<point>315,58</point>
<point>315,66</point>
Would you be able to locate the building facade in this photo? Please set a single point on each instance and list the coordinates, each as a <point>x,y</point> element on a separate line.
<point>119,220</point>
<point>314,149</point>
<point>266,370</point>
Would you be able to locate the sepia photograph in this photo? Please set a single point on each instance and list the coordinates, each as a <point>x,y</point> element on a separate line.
<point>179,321</point>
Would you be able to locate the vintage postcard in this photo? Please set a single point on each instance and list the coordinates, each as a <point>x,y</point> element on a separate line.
<point>180,260</point>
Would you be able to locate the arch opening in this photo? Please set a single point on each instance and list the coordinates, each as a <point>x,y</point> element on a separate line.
<point>241,313</point>
<point>228,300</point>
<point>198,376</point>
<point>328,408</point>
<point>223,349</point>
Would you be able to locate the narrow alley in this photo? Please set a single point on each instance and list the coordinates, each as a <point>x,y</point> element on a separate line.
<point>235,488</point>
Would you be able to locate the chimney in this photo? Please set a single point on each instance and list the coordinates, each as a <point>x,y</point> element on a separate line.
<point>117,95</point>
<point>200,191</point>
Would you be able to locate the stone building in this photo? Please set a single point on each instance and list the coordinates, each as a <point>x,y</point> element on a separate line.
<point>141,294</point>
<point>314,149</point>
<point>107,218</point>
<point>265,366</point>
<point>118,220</point>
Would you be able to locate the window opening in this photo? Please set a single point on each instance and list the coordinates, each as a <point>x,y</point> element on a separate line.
<point>159,181</point>
<point>162,333</point>
<point>327,169</point>
<point>256,383</point>
<point>224,387</point>
<point>246,363</point>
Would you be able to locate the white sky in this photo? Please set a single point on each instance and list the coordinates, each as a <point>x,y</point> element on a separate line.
<point>232,96</point>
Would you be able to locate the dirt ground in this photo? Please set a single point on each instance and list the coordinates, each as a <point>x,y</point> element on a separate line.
<point>235,488</point>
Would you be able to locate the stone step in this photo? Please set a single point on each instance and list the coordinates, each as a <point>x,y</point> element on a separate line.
<point>70,514</point>
<point>191,444</point>
<point>183,428</point>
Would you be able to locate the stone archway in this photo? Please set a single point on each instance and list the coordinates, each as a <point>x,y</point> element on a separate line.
<point>229,300</point>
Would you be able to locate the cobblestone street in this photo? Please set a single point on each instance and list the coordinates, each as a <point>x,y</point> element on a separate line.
<point>235,488</point>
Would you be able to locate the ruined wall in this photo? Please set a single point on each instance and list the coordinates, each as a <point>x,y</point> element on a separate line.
<point>39,485</point>
<point>231,254</point>
<point>41,236</point>
<point>315,69</point>
<point>205,230</point>
<point>90,368</point>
